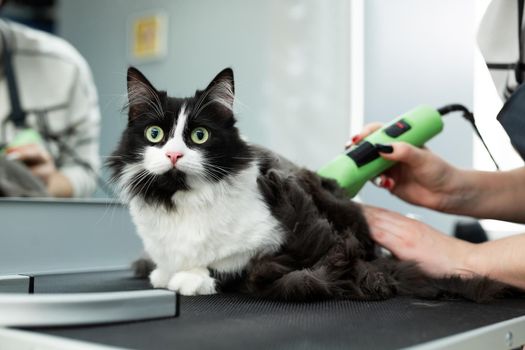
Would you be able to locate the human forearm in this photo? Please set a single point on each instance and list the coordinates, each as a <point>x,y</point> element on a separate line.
<point>490,195</point>
<point>441,255</point>
<point>501,260</point>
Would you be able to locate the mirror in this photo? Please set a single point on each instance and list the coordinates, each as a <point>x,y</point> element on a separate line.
<point>291,61</point>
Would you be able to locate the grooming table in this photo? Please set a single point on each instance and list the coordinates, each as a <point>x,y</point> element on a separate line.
<point>109,308</point>
<point>230,321</point>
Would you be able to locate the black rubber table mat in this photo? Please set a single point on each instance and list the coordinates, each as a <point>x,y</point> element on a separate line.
<point>240,322</point>
<point>88,282</point>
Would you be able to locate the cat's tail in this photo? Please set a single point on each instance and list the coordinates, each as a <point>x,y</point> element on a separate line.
<point>410,280</point>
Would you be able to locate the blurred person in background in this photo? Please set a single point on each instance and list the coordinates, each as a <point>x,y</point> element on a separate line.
<point>46,87</point>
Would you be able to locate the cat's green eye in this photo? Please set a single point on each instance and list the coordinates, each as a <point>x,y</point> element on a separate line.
<point>154,134</point>
<point>200,135</point>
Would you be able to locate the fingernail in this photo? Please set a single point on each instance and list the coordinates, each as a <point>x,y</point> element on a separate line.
<point>378,180</point>
<point>382,181</point>
<point>357,138</point>
<point>384,148</point>
<point>388,184</point>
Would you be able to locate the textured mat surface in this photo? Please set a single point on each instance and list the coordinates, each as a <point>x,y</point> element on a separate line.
<point>240,322</point>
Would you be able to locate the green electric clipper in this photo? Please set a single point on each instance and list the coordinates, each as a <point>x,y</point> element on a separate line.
<point>23,137</point>
<point>362,162</point>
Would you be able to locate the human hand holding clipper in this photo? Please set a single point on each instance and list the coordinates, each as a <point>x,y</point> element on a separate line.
<point>27,147</point>
<point>418,177</point>
<point>363,162</point>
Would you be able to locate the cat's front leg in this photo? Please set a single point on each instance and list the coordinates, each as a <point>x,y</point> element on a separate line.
<point>196,281</point>
<point>159,278</point>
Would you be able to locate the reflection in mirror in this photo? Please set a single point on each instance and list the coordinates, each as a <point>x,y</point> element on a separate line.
<point>291,64</point>
<point>49,112</point>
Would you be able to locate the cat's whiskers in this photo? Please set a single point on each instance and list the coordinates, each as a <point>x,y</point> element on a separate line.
<point>246,158</point>
<point>130,170</point>
<point>216,168</point>
<point>204,173</point>
<point>148,184</point>
<point>136,189</point>
<point>136,181</point>
<point>195,170</point>
<point>125,175</point>
<point>258,157</point>
<point>253,158</point>
<point>208,174</point>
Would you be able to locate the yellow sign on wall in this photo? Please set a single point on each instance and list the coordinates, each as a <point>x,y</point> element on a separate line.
<point>148,37</point>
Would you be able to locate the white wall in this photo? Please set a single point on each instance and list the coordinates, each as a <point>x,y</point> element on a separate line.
<point>290,60</point>
<point>420,51</point>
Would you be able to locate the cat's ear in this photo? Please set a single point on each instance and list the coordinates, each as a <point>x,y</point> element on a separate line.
<point>141,93</point>
<point>222,89</point>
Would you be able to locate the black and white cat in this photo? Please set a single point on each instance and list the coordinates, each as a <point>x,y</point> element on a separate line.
<point>217,213</point>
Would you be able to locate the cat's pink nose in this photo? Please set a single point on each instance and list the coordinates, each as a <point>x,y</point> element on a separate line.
<point>174,156</point>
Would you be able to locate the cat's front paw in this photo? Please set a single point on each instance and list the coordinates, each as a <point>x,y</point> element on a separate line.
<point>192,282</point>
<point>159,278</point>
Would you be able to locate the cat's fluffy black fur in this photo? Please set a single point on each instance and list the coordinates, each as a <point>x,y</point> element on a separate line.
<point>327,251</point>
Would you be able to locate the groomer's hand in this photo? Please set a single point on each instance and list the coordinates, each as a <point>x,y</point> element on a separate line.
<point>36,158</point>
<point>420,177</point>
<point>41,164</point>
<point>435,253</point>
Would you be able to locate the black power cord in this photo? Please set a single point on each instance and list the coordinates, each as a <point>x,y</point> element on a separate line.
<point>468,115</point>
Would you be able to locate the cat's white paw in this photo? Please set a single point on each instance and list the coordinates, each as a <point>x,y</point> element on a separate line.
<point>192,282</point>
<point>158,278</point>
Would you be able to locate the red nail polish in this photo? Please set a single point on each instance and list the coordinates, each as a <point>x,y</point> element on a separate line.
<point>357,138</point>
<point>389,184</point>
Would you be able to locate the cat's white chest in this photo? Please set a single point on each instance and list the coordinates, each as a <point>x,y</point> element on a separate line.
<point>220,226</point>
